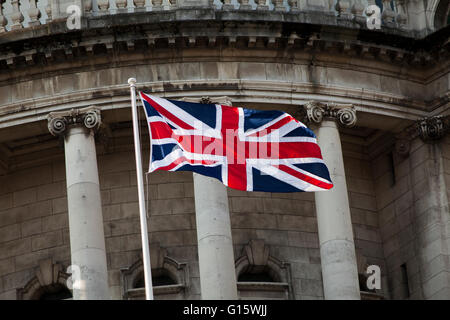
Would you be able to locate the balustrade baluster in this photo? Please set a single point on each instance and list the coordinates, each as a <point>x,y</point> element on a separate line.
<point>2,19</point>
<point>358,11</point>
<point>157,5</point>
<point>244,5</point>
<point>261,5</point>
<point>121,5</point>
<point>16,16</point>
<point>48,11</point>
<point>388,14</point>
<point>34,13</point>
<point>294,6</point>
<point>342,8</point>
<point>103,5</point>
<point>173,4</point>
<point>139,4</point>
<point>227,5</point>
<point>87,5</point>
<point>279,5</point>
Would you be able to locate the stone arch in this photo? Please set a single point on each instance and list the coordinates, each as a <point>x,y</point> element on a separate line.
<point>440,12</point>
<point>162,266</point>
<point>49,279</point>
<point>256,258</point>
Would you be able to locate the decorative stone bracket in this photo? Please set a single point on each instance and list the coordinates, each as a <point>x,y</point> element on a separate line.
<point>223,100</point>
<point>429,130</point>
<point>48,275</point>
<point>344,114</point>
<point>432,129</point>
<point>58,122</point>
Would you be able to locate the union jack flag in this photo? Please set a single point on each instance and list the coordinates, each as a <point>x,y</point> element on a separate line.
<point>245,149</point>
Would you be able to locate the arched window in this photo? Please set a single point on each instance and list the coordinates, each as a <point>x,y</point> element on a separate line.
<point>160,277</point>
<point>169,278</point>
<point>442,16</point>
<point>49,283</point>
<point>54,292</point>
<point>260,275</point>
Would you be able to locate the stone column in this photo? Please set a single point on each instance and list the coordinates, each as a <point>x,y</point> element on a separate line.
<point>337,248</point>
<point>215,245</point>
<point>87,241</point>
<point>430,171</point>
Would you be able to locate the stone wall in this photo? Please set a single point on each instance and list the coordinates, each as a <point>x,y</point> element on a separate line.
<point>34,221</point>
<point>393,185</point>
<point>363,208</point>
<point>414,219</point>
<point>33,224</point>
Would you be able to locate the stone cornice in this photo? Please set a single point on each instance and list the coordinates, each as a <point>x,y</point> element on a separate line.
<point>143,31</point>
<point>59,122</point>
<point>239,91</point>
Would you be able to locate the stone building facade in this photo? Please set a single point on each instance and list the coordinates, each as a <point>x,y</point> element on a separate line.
<point>308,58</point>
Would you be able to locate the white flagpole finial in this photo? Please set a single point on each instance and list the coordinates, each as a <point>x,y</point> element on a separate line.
<point>132,82</point>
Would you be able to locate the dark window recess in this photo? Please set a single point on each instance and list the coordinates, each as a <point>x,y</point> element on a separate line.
<point>255,277</point>
<point>159,278</point>
<point>404,280</point>
<point>363,283</point>
<point>58,293</point>
<point>162,280</point>
<point>392,166</point>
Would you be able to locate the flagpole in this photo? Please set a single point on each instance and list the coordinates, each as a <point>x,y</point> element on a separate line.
<point>140,185</point>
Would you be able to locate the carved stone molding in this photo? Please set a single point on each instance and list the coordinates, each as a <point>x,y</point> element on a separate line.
<point>432,128</point>
<point>205,100</point>
<point>48,277</point>
<point>58,122</point>
<point>223,100</point>
<point>344,114</point>
<point>402,146</point>
<point>429,130</point>
<point>161,264</point>
<point>255,258</point>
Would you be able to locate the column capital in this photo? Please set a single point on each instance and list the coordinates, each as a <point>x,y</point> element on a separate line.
<point>58,122</point>
<point>344,114</point>
<point>429,130</point>
<point>432,128</point>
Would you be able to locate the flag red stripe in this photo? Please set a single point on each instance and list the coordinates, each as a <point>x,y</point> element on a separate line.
<point>282,150</point>
<point>160,130</point>
<point>237,172</point>
<point>306,178</point>
<point>184,159</point>
<point>237,176</point>
<point>274,126</point>
<point>166,113</point>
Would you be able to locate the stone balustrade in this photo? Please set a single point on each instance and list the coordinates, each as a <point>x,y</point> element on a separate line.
<point>19,14</point>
